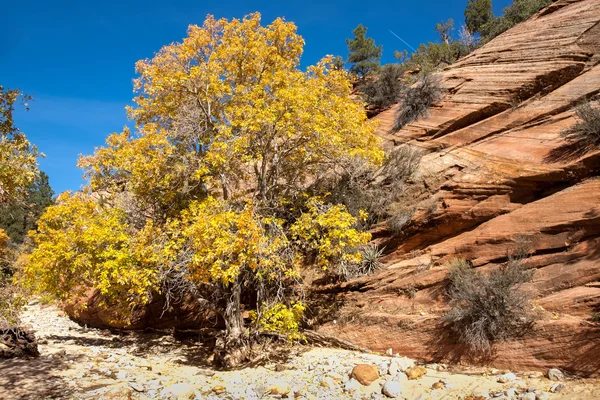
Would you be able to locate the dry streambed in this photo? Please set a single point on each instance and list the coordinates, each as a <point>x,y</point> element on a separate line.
<point>80,363</point>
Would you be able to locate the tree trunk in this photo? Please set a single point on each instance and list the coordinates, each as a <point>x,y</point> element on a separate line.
<point>231,351</point>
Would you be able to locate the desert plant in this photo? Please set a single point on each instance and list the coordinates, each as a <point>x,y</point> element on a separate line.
<point>416,101</point>
<point>486,308</point>
<point>369,263</point>
<point>385,89</point>
<point>587,131</point>
<point>359,186</point>
<point>400,219</point>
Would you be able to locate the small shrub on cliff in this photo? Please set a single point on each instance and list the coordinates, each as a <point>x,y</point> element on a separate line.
<point>486,308</point>
<point>362,187</point>
<point>369,263</point>
<point>385,89</point>
<point>587,131</point>
<point>416,101</point>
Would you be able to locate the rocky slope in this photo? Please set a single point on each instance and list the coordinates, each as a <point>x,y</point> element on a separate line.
<point>496,174</point>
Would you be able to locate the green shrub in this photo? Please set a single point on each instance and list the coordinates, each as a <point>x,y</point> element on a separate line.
<point>586,132</point>
<point>486,308</point>
<point>517,12</point>
<point>416,101</point>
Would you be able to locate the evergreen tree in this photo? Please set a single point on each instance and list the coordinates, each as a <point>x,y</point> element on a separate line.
<point>445,29</point>
<point>364,54</point>
<point>477,14</point>
<point>20,216</point>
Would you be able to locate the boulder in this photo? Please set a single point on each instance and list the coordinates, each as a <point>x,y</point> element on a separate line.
<point>365,374</point>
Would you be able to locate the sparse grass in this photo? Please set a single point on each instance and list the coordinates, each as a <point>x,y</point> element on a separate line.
<point>416,101</point>
<point>586,132</point>
<point>486,308</point>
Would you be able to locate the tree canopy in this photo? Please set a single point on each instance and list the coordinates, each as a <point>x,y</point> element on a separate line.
<point>18,157</point>
<point>364,53</point>
<point>211,192</point>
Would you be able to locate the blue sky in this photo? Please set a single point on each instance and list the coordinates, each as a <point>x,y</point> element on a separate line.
<point>77,57</point>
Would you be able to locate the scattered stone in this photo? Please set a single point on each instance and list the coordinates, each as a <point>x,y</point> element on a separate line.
<point>528,396</point>
<point>389,352</point>
<point>137,387</point>
<point>506,378</point>
<point>542,396</point>
<point>555,374</point>
<point>328,383</point>
<point>438,385</point>
<point>179,391</point>
<point>219,389</point>
<point>352,385</point>
<point>481,394</point>
<point>557,388</point>
<point>277,386</point>
<point>403,363</point>
<point>416,372</point>
<point>512,392</point>
<point>365,373</point>
<point>392,389</point>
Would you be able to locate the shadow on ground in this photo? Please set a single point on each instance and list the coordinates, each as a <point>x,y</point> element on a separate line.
<point>32,378</point>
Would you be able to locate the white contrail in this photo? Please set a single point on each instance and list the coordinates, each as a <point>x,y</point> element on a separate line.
<point>403,41</point>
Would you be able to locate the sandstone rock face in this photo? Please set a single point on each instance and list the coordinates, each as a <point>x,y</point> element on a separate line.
<point>185,314</point>
<point>496,174</point>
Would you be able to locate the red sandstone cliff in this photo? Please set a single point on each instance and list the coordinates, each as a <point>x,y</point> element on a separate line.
<point>496,170</point>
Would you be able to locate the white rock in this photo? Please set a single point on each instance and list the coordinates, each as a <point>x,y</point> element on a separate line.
<point>555,374</point>
<point>392,389</point>
<point>527,396</point>
<point>557,388</point>
<point>404,363</point>
<point>508,377</point>
<point>352,385</point>
<point>542,396</point>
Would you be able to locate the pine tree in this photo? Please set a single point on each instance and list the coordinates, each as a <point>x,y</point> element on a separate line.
<point>19,217</point>
<point>477,14</point>
<point>364,54</point>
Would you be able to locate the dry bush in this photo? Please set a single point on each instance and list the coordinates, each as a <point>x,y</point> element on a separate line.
<point>586,132</point>
<point>401,217</point>
<point>362,187</point>
<point>416,101</point>
<point>384,90</point>
<point>486,308</point>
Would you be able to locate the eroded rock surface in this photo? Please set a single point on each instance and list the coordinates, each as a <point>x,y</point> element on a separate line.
<point>497,173</point>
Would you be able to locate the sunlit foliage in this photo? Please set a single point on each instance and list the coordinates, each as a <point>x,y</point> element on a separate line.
<point>210,192</point>
<point>18,157</point>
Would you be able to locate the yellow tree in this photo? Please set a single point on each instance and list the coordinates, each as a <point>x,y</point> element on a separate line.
<point>18,157</point>
<point>214,180</point>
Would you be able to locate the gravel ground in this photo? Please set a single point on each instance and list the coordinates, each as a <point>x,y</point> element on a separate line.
<point>80,363</point>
